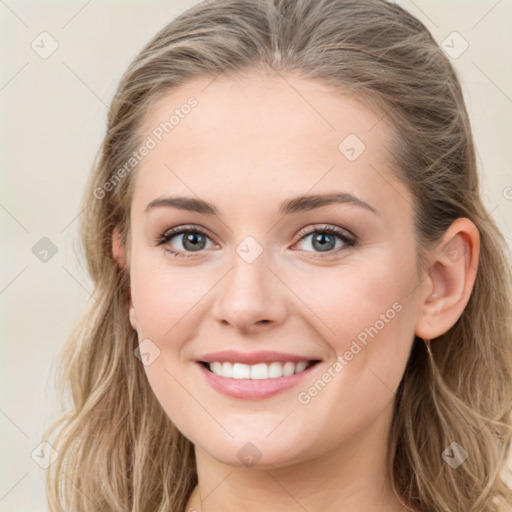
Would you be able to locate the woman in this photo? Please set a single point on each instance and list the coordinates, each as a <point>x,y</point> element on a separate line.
<point>300,300</point>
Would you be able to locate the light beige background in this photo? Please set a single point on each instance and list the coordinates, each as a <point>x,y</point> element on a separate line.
<point>52,120</point>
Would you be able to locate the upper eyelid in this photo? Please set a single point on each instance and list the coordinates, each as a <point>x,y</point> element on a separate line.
<point>179,230</point>
<point>321,227</point>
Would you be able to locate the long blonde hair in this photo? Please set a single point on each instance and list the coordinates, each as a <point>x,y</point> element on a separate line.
<point>118,450</point>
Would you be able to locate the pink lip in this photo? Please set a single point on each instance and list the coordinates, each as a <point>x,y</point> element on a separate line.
<point>253,389</point>
<point>235,356</point>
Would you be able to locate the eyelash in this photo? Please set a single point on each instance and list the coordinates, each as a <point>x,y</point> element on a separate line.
<point>181,230</point>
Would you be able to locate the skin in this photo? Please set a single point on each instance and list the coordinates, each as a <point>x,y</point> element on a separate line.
<point>250,144</point>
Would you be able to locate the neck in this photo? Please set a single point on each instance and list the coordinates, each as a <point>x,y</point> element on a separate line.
<point>350,477</point>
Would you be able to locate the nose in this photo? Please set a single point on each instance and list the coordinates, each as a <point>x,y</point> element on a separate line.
<point>251,297</point>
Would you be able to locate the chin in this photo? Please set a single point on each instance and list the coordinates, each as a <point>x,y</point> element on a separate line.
<point>256,454</point>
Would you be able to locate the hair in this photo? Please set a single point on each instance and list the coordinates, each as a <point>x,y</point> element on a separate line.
<point>111,435</point>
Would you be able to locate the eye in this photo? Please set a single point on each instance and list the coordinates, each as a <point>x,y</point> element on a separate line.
<point>191,238</point>
<point>194,239</point>
<point>324,239</point>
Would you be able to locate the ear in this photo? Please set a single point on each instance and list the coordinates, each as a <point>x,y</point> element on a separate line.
<point>133,316</point>
<point>451,276</point>
<point>119,254</point>
<point>118,251</point>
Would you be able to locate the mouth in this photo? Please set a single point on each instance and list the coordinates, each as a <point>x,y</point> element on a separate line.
<point>260,371</point>
<point>255,381</point>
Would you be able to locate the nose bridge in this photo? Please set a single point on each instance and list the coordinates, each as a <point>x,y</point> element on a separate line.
<point>250,293</point>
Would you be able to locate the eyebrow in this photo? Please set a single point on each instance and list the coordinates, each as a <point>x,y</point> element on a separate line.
<point>290,206</point>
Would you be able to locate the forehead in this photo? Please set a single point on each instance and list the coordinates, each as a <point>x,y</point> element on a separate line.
<point>278,136</point>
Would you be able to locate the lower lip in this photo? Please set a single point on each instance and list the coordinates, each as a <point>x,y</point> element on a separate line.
<point>253,388</point>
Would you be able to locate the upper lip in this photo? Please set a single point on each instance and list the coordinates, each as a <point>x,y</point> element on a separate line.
<point>235,356</point>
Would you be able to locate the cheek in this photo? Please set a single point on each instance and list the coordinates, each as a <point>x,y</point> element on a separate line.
<point>370,328</point>
<point>367,317</point>
<point>161,295</point>
<point>357,300</point>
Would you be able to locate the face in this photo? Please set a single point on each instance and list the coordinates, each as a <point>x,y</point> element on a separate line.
<point>268,277</point>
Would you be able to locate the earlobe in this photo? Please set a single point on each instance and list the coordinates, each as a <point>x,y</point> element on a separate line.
<point>450,280</point>
<point>133,317</point>
<point>117,249</point>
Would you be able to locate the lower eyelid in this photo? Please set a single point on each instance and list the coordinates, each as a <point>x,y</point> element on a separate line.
<point>345,245</point>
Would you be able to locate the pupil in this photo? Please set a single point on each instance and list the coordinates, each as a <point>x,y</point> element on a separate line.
<point>321,239</point>
<point>193,239</point>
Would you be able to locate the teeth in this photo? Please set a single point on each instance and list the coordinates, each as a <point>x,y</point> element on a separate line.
<point>257,371</point>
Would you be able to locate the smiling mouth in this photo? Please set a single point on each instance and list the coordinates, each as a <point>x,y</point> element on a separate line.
<point>259,371</point>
